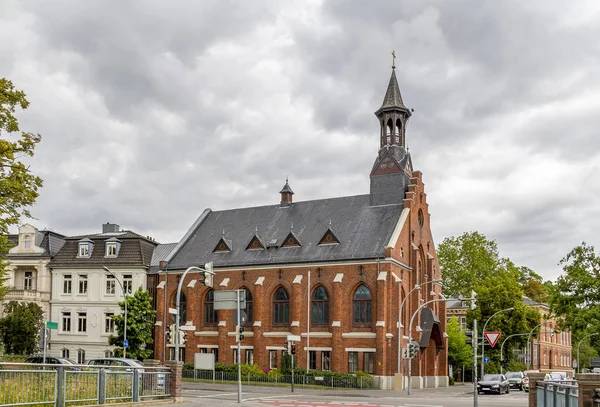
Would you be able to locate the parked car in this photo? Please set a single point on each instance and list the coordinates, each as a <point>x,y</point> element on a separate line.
<point>53,360</point>
<point>515,379</point>
<point>493,383</point>
<point>560,377</point>
<point>120,362</point>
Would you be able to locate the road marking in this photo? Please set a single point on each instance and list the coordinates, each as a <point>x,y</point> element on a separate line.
<point>274,397</point>
<point>213,395</point>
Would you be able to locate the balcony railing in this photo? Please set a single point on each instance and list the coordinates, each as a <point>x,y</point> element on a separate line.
<point>24,291</point>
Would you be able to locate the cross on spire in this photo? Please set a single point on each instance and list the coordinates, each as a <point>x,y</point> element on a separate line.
<point>393,59</point>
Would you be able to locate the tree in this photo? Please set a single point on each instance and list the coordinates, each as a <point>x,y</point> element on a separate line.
<point>20,328</point>
<point>18,186</point>
<point>576,294</point>
<point>459,352</point>
<point>465,260</point>
<point>140,322</point>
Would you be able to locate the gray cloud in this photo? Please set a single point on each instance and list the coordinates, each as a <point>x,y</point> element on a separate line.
<point>153,111</point>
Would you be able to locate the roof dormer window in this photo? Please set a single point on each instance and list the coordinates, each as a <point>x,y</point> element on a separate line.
<point>84,250</point>
<point>85,247</point>
<point>112,247</point>
<point>27,242</point>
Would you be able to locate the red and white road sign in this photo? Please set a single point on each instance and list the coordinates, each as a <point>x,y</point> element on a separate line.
<point>492,337</point>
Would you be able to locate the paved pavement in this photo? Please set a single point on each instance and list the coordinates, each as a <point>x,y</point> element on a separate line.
<point>203,394</point>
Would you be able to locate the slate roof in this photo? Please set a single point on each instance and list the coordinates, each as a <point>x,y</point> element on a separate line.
<point>393,98</point>
<point>160,253</point>
<point>49,240</point>
<point>135,250</point>
<point>363,230</point>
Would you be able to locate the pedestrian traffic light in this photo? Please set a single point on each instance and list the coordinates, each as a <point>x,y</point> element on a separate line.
<point>473,300</point>
<point>469,335</point>
<point>208,274</point>
<point>239,333</point>
<point>287,346</point>
<point>293,352</point>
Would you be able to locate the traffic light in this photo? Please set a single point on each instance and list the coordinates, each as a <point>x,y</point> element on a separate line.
<point>293,350</point>
<point>404,353</point>
<point>413,349</point>
<point>208,274</point>
<point>473,300</point>
<point>239,333</point>
<point>469,335</point>
<point>287,346</point>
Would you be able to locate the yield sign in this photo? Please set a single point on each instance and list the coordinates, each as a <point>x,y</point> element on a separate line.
<point>492,337</point>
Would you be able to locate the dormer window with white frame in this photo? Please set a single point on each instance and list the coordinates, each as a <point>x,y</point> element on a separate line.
<point>84,248</point>
<point>112,247</point>
<point>27,242</point>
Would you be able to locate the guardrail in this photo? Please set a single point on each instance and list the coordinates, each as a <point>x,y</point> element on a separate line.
<point>563,393</point>
<point>349,382</point>
<point>59,385</point>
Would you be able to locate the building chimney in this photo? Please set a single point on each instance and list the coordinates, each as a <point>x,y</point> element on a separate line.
<point>110,228</point>
<point>286,194</point>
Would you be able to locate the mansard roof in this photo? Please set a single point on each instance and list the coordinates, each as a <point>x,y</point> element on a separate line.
<point>136,250</point>
<point>363,230</point>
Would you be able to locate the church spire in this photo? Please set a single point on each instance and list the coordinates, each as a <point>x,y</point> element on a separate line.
<point>392,114</point>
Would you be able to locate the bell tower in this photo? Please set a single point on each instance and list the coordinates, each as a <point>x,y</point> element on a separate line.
<point>392,169</point>
<point>392,114</point>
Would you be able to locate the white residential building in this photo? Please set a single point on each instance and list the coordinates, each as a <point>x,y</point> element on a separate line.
<point>85,296</point>
<point>29,277</point>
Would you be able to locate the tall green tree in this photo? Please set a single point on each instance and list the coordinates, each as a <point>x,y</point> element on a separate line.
<point>20,328</point>
<point>140,322</point>
<point>18,186</point>
<point>459,352</point>
<point>576,293</point>
<point>466,260</point>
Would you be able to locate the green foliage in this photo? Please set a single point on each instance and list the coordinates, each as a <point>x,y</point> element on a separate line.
<point>515,367</point>
<point>18,186</point>
<point>576,293</point>
<point>286,364</point>
<point>20,328</point>
<point>188,366</point>
<point>466,259</point>
<point>451,381</point>
<point>586,352</point>
<point>140,323</point>
<point>459,352</point>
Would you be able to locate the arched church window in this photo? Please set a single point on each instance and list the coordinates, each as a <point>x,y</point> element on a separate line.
<point>389,131</point>
<point>362,305</point>
<point>398,131</point>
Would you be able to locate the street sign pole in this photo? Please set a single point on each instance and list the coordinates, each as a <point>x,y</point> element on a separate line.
<point>475,393</point>
<point>45,339</point>
<point>239,348</point>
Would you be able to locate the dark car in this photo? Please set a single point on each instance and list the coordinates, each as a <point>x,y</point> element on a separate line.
<point>493,383</point>
<point>53,360</point>
<point>516,380</point>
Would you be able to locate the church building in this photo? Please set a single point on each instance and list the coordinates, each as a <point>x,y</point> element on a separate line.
<point>332,271</point>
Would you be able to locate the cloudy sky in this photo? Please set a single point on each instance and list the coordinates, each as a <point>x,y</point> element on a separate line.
<point>151,111</point>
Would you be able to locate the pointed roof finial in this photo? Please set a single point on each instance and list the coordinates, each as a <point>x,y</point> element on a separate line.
<point>292,228</point>
<point>223,232</point>
<point>393,59</point>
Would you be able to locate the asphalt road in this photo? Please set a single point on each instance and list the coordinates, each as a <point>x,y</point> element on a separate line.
<point>202,394</point>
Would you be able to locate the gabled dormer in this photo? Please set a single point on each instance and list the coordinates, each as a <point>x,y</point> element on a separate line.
<point>112,247</point>
<point>84,248</point>
<point>329,238</point>
<point>28,240</point>
<point>223,246</point>
<point>291,240</point>
<point>256,243</point>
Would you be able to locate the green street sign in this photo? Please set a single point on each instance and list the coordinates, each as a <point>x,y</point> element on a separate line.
<point>52,325</point>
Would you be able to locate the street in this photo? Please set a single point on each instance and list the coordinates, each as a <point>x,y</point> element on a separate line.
<point>202,394</point>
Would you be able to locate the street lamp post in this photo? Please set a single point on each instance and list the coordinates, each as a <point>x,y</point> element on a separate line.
<point>125,316</point>
<point>192,268</point>
<point>410,332</point>
<point>528,350</point>
<point>502,347</point>
<point>400,326</point>
<point>578,345</point>
<point>483,339</point>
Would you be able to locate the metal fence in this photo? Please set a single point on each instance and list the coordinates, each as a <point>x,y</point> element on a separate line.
<point>557,394</point>
<point>330,381</point>
<point>64,385</point>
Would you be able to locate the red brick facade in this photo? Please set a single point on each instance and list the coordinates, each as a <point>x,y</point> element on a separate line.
<point>410,258</point>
